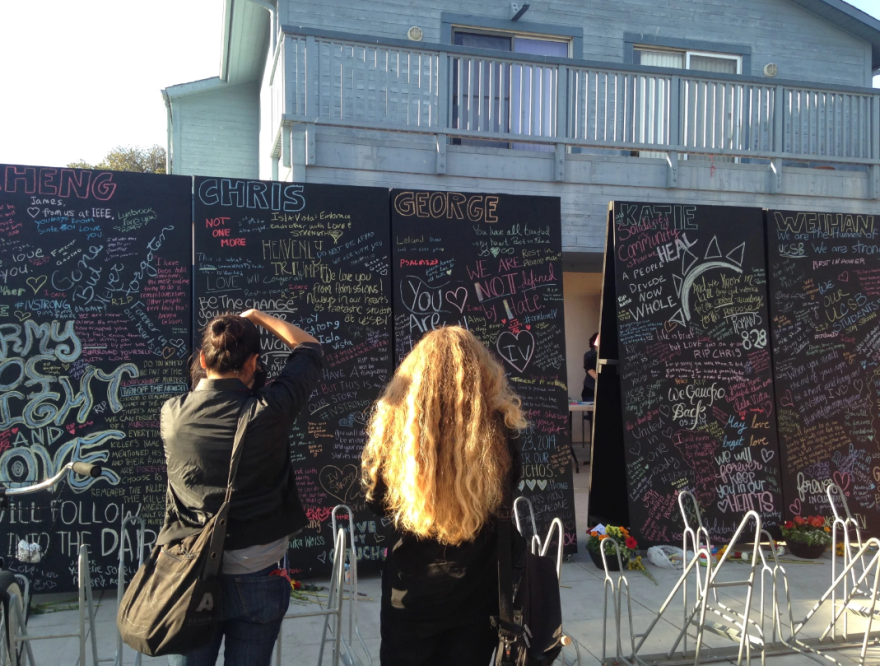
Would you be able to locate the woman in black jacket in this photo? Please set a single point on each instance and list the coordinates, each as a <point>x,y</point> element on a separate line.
<point>198,429</point>
<point>438,461</point>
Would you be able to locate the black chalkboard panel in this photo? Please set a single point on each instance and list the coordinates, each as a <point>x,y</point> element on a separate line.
<point>492,263</point>
<point>94,337</point>
<point>695,370</point>
<point>316,256</point>
<point>824,298</point>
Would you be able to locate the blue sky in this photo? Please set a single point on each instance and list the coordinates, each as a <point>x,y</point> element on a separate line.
<point>82,76</point>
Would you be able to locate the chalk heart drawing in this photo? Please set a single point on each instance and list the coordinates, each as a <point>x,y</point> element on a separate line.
<point>841,480</point>
<point>859,385</point>
<point>322,558</point>
<point>767,454</point>
<point>36,283</point>
<point>168,352</point>
<point>517,349</point>
<point>335,235</point>
<point>767,406</point>
<point>521,485</point>
<point>542,483</point>
<point>786,400</point>
<point>664,409</point>
<point>844,277</point>
<point>530,483</point>
<point>795,507</point>
<point>385,521</point>
<point>339,483</point>
<point>379,538</point>
<point>457,298</point>
<point>670,326</point>
<point>33,211</point>
<point>22,315</point>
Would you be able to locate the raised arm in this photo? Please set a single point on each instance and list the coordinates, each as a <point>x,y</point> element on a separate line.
<point>285,331</point>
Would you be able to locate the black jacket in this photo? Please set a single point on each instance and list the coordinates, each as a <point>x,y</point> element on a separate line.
<point>198,429</point>
<point>425,581</point>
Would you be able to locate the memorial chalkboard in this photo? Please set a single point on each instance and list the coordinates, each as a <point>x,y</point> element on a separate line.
<point>94,337</point>
<point>316,256</point>
<point>695,370</point>
<point>492,263</point>
<point>824,298</point>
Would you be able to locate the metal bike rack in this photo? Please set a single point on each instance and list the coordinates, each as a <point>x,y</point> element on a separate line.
<point>120,584</point>
<point>617,602</point>
<point>842,526</point>
<point>352,585</point>
<point>18,625</point>
<point>538,547</point>
<point>345,552</point>
<point>334,607</point>
<point>734,625</point>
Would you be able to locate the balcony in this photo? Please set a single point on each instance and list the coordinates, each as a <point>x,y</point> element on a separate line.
<point>568,106</point>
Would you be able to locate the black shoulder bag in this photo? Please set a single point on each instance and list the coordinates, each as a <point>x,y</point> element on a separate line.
<point>175,599</point>
<point>530,610</point>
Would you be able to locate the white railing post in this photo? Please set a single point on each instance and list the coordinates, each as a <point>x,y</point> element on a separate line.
<point>312,78</point>
<point>443,90</point>
<point>779,120</point>
<point>676,104</point>
<point>875,128</point>
<point>562,102</point>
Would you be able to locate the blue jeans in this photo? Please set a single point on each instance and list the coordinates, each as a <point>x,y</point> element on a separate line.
<point>253,607</point>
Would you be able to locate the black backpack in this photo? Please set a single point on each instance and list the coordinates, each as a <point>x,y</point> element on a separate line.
<point>530,610</point>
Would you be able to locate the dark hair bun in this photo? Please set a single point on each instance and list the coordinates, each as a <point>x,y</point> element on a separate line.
<point>228,341</point>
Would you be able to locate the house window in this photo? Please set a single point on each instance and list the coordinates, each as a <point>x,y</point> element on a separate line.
<point>505,96</point>
<point>702,61</point>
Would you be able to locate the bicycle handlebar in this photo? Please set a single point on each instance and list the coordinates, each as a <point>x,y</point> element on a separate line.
<point>84,469</point>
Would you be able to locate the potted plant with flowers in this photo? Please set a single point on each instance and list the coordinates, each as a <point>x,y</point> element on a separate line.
<point>629,555</point>
<point>598,541</point>
<point>808,537</point>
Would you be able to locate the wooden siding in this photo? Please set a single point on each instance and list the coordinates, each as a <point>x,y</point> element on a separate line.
<point>803,45</point>
<point>216,132</point>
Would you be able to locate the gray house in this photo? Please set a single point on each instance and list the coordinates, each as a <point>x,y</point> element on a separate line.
<point>754,102</point>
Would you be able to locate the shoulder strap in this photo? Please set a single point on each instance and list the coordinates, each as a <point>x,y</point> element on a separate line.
<point>218,538</point>
<point>505,564</point>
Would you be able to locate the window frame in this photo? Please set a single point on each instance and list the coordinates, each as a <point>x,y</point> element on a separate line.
<point>451,21</point>
<point>632,42</point>
<point>687,53</point>
<point>712,54</point>
<point>514,35</point>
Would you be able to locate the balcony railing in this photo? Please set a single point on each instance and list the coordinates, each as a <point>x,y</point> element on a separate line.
<point>525,100</point>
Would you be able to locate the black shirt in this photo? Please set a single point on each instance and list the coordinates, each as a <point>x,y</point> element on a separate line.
<point>590,364</point>
<point>198,429</point>
<point>426,581</point>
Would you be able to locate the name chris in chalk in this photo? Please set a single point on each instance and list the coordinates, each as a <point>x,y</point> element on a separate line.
<point>252,194</point>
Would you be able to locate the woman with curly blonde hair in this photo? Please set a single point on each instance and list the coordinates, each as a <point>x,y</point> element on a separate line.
<point>438,463</point>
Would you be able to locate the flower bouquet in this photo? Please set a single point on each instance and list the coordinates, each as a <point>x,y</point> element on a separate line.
<point>629,556</point>
<point>807,537</point>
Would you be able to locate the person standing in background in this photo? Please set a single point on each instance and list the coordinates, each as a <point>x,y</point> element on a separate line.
<point>590,358</point>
